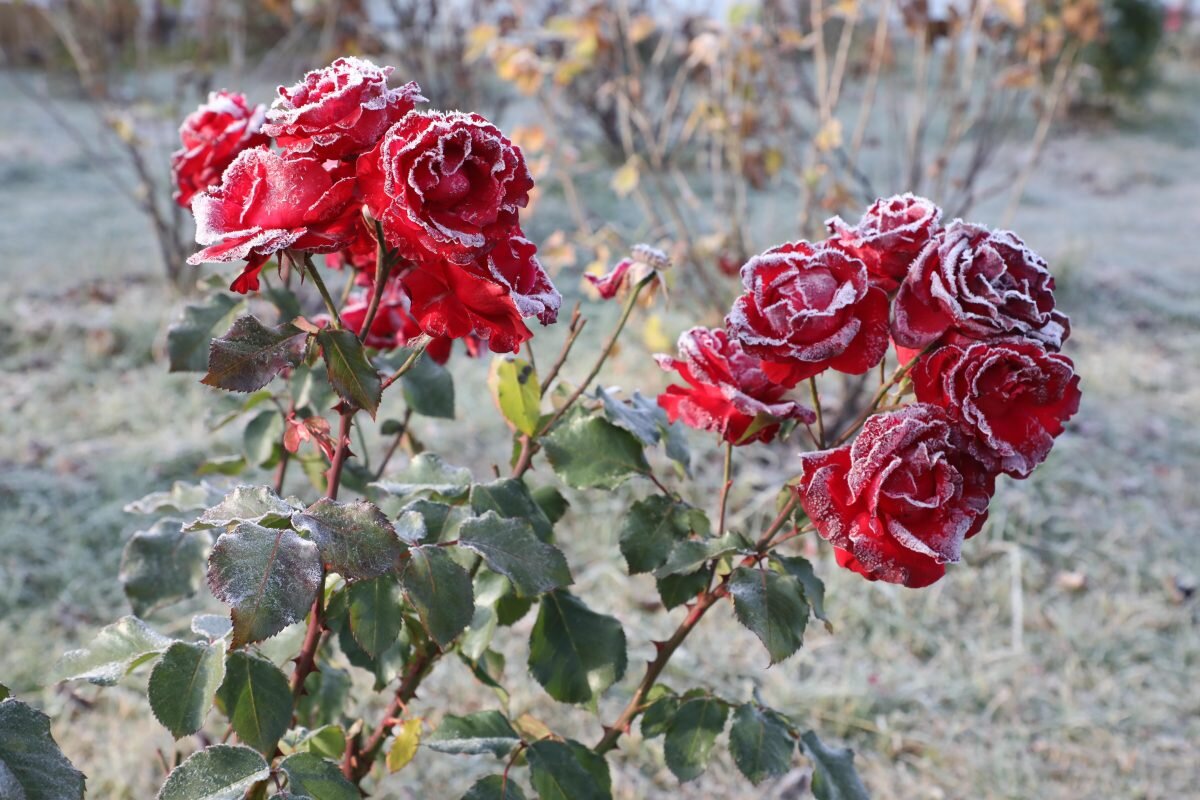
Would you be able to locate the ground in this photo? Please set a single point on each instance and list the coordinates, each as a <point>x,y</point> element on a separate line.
<point>1056,662</point>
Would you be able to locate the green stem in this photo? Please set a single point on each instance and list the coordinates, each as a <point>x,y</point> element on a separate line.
<point>816,401</point>
<point>726,483</point>
<point>320,284</point>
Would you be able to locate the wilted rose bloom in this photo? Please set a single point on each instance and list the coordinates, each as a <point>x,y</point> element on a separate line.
<point>212,136</point>
<point>1012,396</point>
<point>645,262</point>
<point>889,236</point>
<point>267,203</point>
<point>898,502</point>
<point>452,302</point>
<point>445,184</point>
<point>727,392</point>
<point>809,308</point>
<point>973,283</point>
<point>339,111</point>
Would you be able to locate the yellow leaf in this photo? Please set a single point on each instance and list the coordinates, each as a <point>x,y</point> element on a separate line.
<point>530,138</point>
<point>625,179</point>
<point>514,385</point>
<point>404,746</point>
<point>479,40</point>
<point>654,337</point>
<point>772,161</point>
<point>557,252</point>
<point>1013,11</point>
<point>830,136</point>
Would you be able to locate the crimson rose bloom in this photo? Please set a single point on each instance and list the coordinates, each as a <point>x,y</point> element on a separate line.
<point>809,308</point>
<point>212,136</point>
<point>449,301</point>
<point>977,284</point>
<point>898,502</point>
<point>339,111</point>
<point>513,263</point>
<point>360,254</point>
<point>266,203</point>
<point>447,184</point>
<point>393,325</point>
<point>727,390</point>
<point>889,236</point>
<point>1013,396</point>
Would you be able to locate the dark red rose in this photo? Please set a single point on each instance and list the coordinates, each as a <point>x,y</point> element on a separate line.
<point>339,111</point>
<point>393,325</point>
<point>212,136</point>
<point>898,502</point>
<point>727,391</point>
<point>889,236</point>
<point>513,263</point>
<point>267,203</point>
<point>447,184</point>
<point>809,308</point>
<point>360,253</point>
<point>973,283</point>
<point>451,302</point>
<point>1012,396</point>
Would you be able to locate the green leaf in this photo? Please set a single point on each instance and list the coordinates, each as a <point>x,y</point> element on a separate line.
<point>834,776</point>
<point>310,387</point>
<point>222,465</point>
<point>551,501</point>
<point>652,527</point>
<point>761,744</point>
<point>5,692</point>
<point>675,590</point>
<point>814,588</point>
<point>189,336</point>
<point>261,438</point>
<point>325,695</point>
<point>428,388</point>
<point>657,718</point>
<point>687,556</point>
<point>481,732</point>
<point>220,772</point>
<point>639,416</point>
<point>356,540</point>
<point>318,778</point>
<point>284,299</point>
<point>772,606</point>
<point>250,354</point>
<point>376,615</point>
<point>183,684</point>
<point>440,590</point>
<point>163,564</point>
<point>691,735</point>
<point>267,576</point>
<point>350,373</point>
<point>404,745</point>
<point>328,741</point>
<point>428,474</point>
<point>116,650</point>
<point>510,548</point>
<point>589,452</point>
<point>509,497</point>
<point>257,504</point>
<point>211,626</point>
<point>386,667</point>
<point>515,388</point>
<point>32,767</point>
<point>495,787</point>
<point>478,636</point>
<point>181,497</point>
<point>567,771</point>
<point>575,653</point>
<point>257,699</point>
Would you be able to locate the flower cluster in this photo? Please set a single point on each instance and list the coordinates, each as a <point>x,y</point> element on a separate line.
<point>445,189</point>
<point>970,313</point>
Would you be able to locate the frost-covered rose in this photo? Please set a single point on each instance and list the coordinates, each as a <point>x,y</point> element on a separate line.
<point>727,392</point>
<point>212,136</point>
<point>266,203</point>
<point>889,236</point>
<point>449,301</point>
<point>447,184</point>
<point>339,111</point>
<point>1012,396</point>
<point>898,502</point>
<point>807,308</point>
<point>974,283</point>
<point>360,253</point>
<point>513,263</point>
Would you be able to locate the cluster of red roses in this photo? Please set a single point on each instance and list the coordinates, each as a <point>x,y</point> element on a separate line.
<point>975,308</point>
<point>446,189</point>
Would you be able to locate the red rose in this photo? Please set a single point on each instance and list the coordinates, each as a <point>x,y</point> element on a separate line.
<point>977,284</point>
<point>889,236</point>
<point>360,253</point>
<point>448,184</point>
<point>727,391</point>
<point>806,309</point>
<point>266,203</point>
<point>1013,396</point>
<point>451,302</point>
<point>212,136</point>
<point>393,325</point>
<point>339,111</point>
<point>513,263</point>
<point>898,502</point>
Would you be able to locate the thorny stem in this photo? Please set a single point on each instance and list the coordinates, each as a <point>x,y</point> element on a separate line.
<point>574,328</point>
<point>319,282</point>
<point>406,366</point>
<point>897,376</point>
<point>395,445</point>
<point>816,401</point>
<point>358,762</point>
<point>383,268</point>
<point>780,520</point>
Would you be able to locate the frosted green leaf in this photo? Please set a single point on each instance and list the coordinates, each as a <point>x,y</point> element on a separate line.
<point>163,564</point>
<point>181,497</point>
<point>183,684</point>
<point>350,373</point>
<point>509,497</point>
<point>510,548</point>
<point>376,613</point>
<point>428,474</point>
<point>211,626</point>
<point>220,772</point>
<point>761,744</point>
<point>834,776</point>
<point>318,778</point>
<point>355,539</point>
<point>257,699</point>
<point>189,336</point>
<point>771,605</point>
<point>32,767</point>
<point>589,452</point>
<point>575,653</point>
<point>495,787</point>
<point>691,735</point>
<point>250,354</point>
<point>257,504</point>
<point>440,590</point>
<point>481,732</point>
<point>116,650</point>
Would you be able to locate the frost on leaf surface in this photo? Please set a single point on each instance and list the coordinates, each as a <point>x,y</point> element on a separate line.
<point>32,767</point>
<point>355,539</point>
<point>258,504</point>
<point>116,650</point>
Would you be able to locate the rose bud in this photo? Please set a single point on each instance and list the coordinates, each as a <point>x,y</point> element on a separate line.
<point>977,284</point>
<point>1012,396</point>
<point>727,392</point>
<point>809,308</point>
<point>644,262</point>
<point>212,136</point>
<point>339,111</point>
<point>888,237</point>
